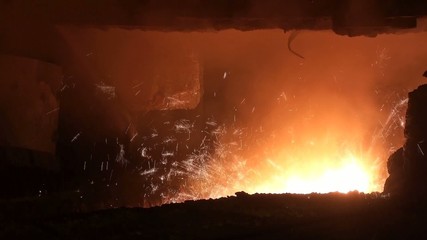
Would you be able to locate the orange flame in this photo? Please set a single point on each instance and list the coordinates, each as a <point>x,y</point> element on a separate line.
<point>300,168</point>
<point>350,174</point>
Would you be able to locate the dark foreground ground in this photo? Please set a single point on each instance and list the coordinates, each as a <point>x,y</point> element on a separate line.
<point>259,216</point>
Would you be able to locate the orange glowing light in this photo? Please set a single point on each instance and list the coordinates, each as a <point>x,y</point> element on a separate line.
<point>318,164</point>
<point>324,124</point>
<point>350,175</point>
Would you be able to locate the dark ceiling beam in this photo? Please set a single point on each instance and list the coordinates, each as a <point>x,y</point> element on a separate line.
<point>188,15</point>
<point>29,28</point>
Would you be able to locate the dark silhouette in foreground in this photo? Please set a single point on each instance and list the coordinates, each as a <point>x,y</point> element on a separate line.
<point>408,165</point>
<point>259,216</point>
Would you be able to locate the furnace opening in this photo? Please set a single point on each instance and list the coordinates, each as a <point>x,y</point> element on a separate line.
<point>170,116</point>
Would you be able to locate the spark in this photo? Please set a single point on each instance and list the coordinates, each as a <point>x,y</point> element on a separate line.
<point>127,129</point>
<point>282,96</point>
<point>108,91</point>
<point>154,187</point>
<point>237,131</point>
<point>138,85</point>
<point>203,141</point>
<point>120,158</point>
<point>133,137</point>
<point>381,60</point>
<point>211,123</point>
<point>219,131</point>
<point>176,102</point>
<point>394,120</point>
<point>167,154</point>
<point>420,149</point>
<point>169,140</point>
<point>154,134</point>
<point>183,125</point>
<point>51,111</point>
<point>150,171</point>
<point>75,137</point>
<point>63,87</point>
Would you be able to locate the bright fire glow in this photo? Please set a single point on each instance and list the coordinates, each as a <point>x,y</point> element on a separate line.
<point>268,122</point>
<point>330,164</point>
<point>350,175</point>
<point>272,122</point>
